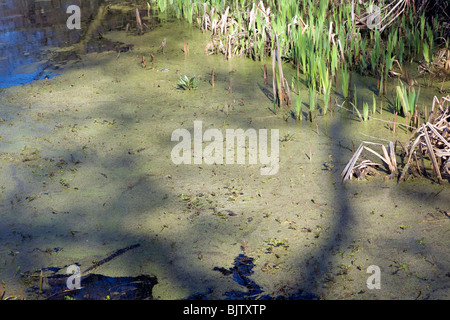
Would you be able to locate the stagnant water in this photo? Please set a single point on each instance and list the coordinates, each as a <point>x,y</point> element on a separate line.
<point>86,170</point>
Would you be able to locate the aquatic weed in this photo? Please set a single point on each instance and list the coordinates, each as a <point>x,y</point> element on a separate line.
<point>187,83</point>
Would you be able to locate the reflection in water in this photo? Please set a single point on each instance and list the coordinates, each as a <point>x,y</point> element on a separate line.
<point>29,30</point>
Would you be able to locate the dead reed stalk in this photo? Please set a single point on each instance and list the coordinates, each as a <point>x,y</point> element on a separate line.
<point>431,140</point>
<point>185,48</point>
<point>138,21</point>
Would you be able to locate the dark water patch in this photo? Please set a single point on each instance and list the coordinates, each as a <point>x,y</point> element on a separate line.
<point>101,287</point>
<point>93,287</point>
<point>240,273</point>
<point>52,284</point>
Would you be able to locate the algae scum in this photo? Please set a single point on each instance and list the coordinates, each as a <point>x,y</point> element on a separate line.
<point>87,179</point>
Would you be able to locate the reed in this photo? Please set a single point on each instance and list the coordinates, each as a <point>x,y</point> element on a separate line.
<point>274,82</point>
<point>298,108</point>
<point>426,52</point>
<point>41,278</point>
<point>422,26</point>
<point>364,66</point>
<point>312,102</point>
<point>318,37</point>
<point>401,50</point>
<point>406,100</point>
<point>355,104</point>
<point>387,68</point>
<point>138,21</point>
<point>380,83</point>
<point>394,126</point>
<point>302,25</point>
<point>184,48</point>
<point>279,82</point>
<point>327,99</point>
<point>302,47</point>
<point>365,111</point>
<point>398,102</point>
<point>345,81</point>
<point>416,37</point>
<point>374,104</point>
<point>334,63</point>
<point>326,85</point>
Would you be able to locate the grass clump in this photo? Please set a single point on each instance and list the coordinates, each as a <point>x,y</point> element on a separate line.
<point>406,100</point>
<point>187,83</point>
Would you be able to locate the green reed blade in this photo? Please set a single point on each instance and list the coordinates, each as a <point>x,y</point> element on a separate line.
<point>365,111</point>
<point>298,107</point>
<point>312,99</point>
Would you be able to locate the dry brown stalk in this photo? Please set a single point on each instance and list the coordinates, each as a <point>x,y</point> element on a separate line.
<point>395,121</point>
<point>432,156</point>
<point>434,136</point>
<point>389,158</point>
<point>138,21</point>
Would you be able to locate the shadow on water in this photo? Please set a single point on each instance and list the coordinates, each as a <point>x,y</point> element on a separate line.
<point>340,233</point>
<point>240,273</point>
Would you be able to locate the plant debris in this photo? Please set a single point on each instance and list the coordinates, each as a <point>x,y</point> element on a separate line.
<point>431,140</point>
<point>366,166</point>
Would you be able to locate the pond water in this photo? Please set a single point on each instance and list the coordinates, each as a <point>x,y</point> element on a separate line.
<point>28,30</point>
<point>86,169</point>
